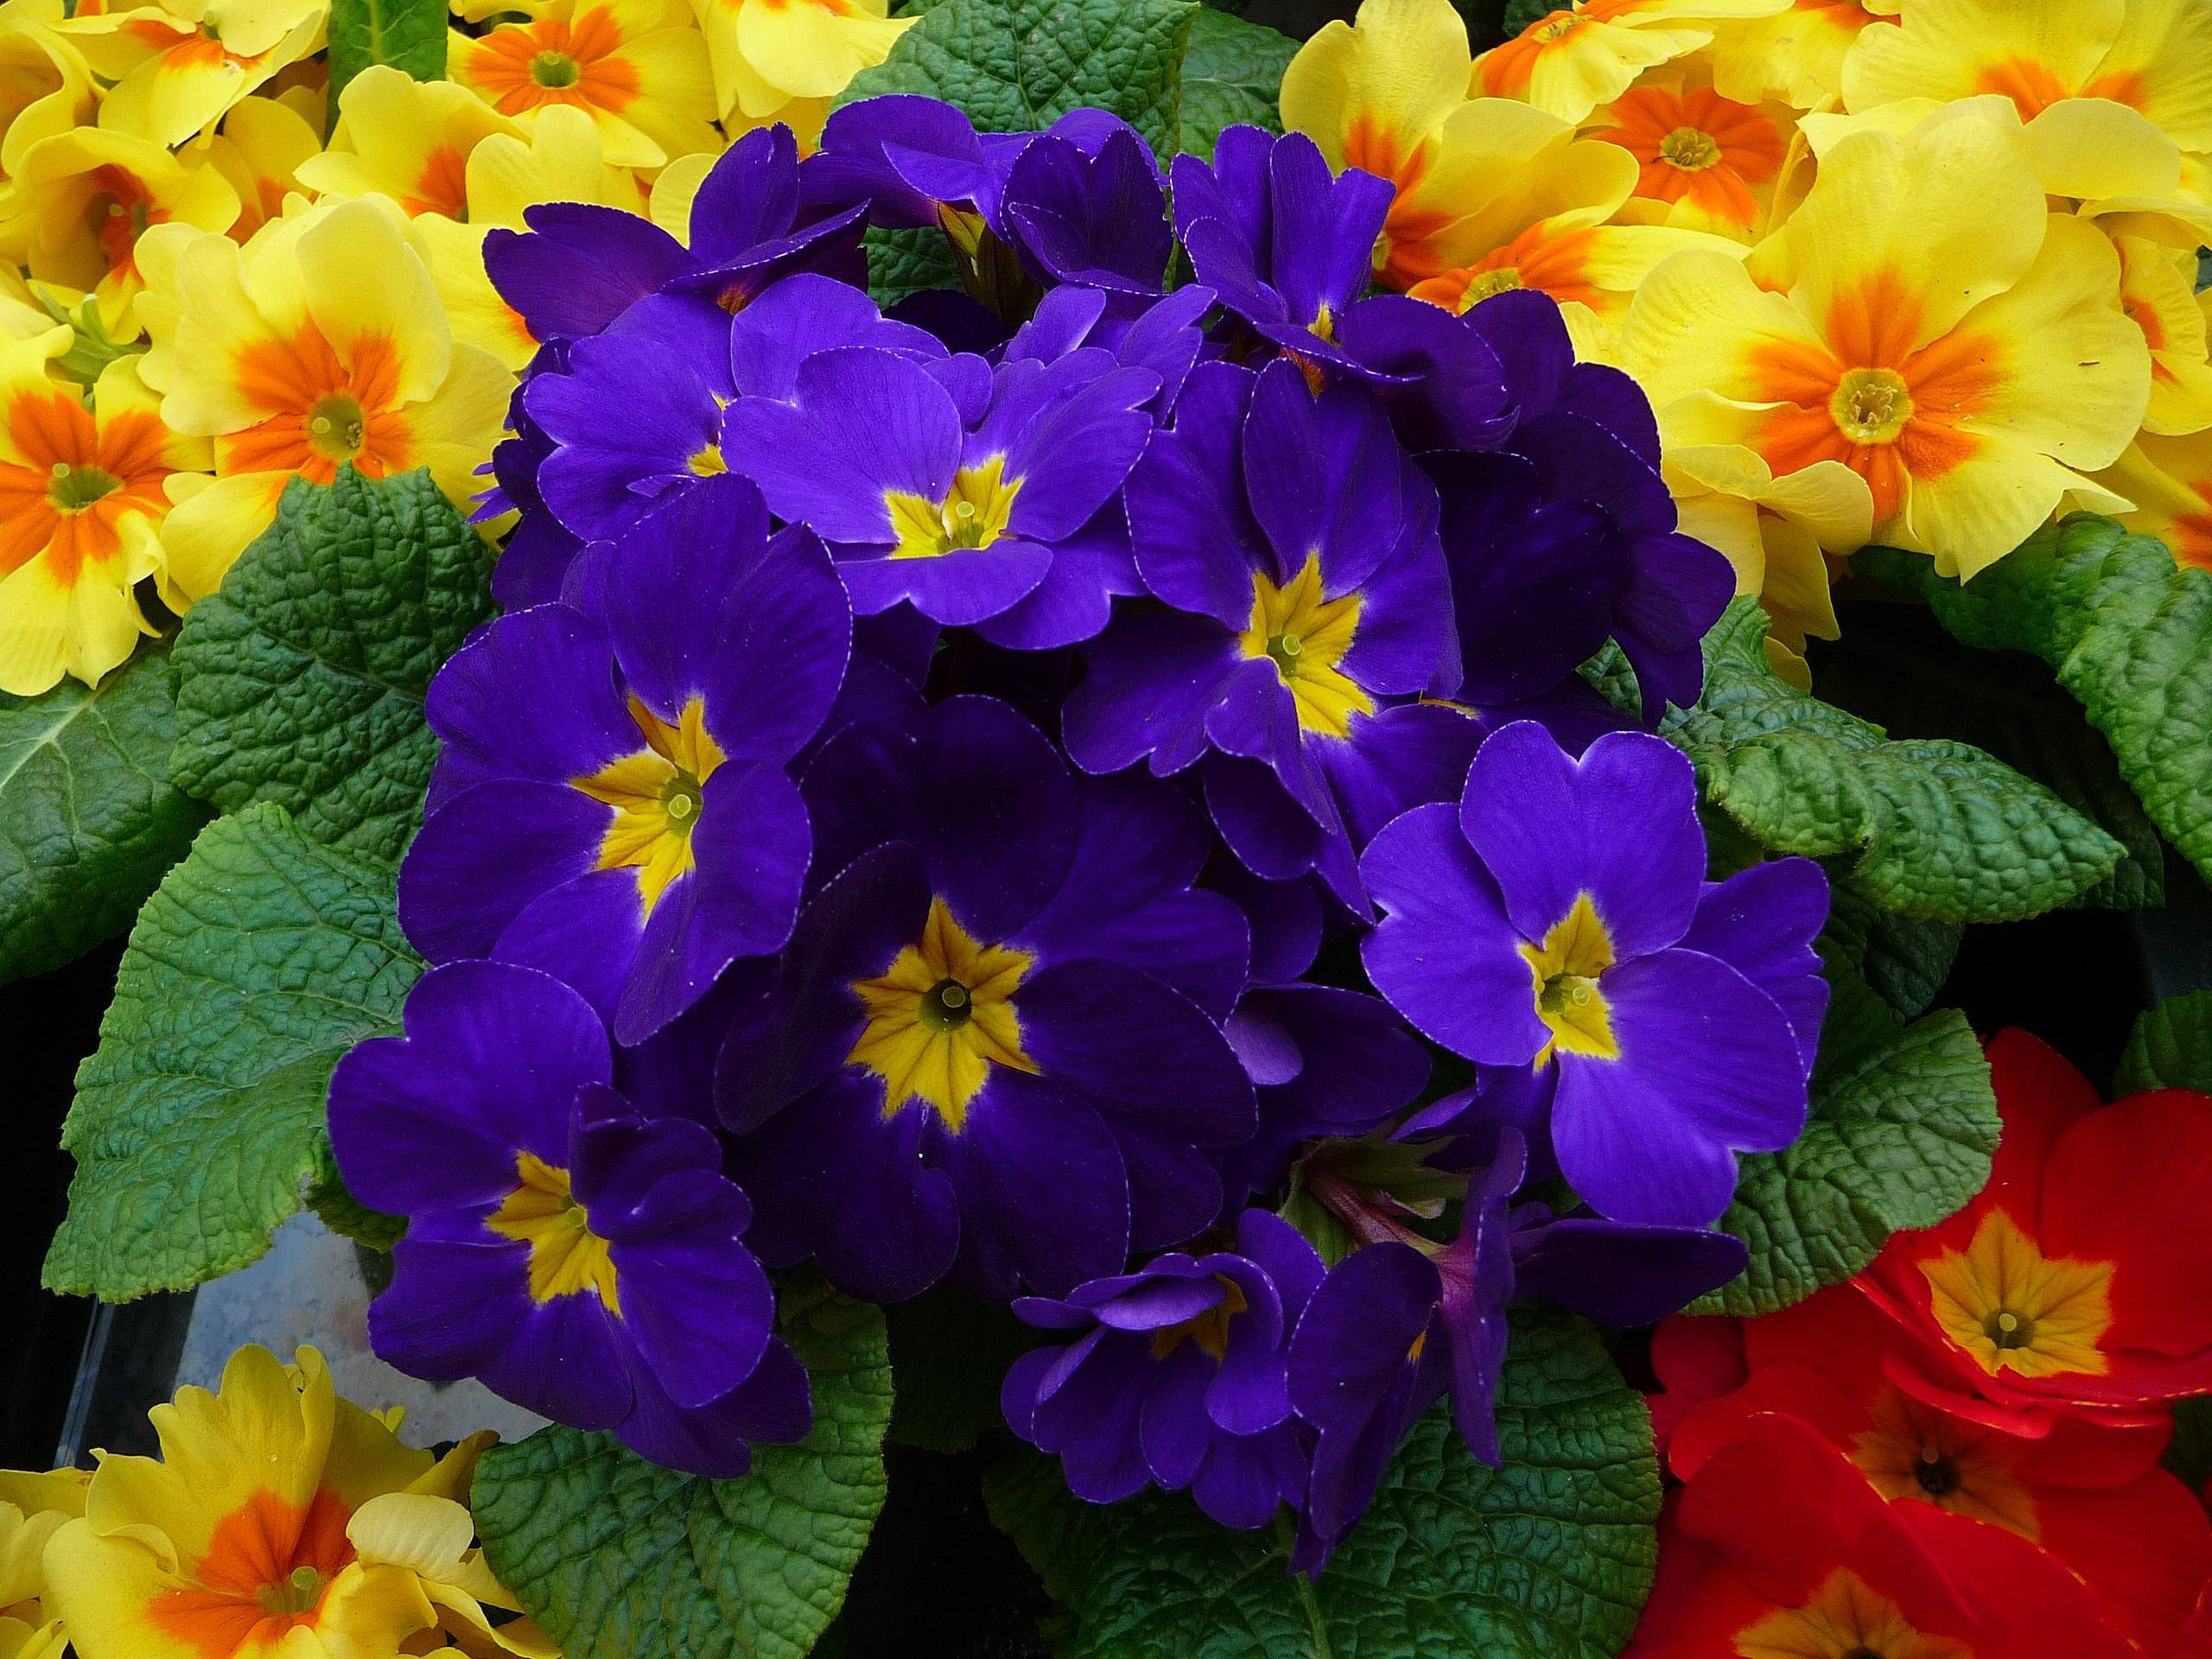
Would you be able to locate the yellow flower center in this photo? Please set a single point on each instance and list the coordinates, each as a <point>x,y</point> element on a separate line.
<point>974,514</point>
<point>550,68</point>
<point>1922,1456</point>
<point>336,426</point>
<point>73,489</point>
<point>2013,1308</point>
<point>1871,405</point>
<point>1846,1619</point>
<point>705,463</point>
<point>299,1594</point>
<point>1554,26</point>
<point>1688,149</point>
<point>1567,970</point>
<point>940,1017</point>
<point>1209,1330</point>
<point>566,1257</point>
<point>657,794</point>
<point>1306,636</point>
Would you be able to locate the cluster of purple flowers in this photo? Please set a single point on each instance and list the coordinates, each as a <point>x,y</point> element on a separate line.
<point>930,755</point>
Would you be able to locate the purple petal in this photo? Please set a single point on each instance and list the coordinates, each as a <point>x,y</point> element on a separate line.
<point>1762,922</point>
<point>487,854</point>
<point>1044,1199</point>
<point>1445,955</point>
<point>1709,1067</point>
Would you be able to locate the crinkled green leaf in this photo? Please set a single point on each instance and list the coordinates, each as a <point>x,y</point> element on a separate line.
<point>1232,76</point>
<point>1905,959</point>
<point>301,680</point>
<point>2130,634</point>
<point>1904,1123</point>
<point>1927,826</point>
<point>1018,65</point>
<point>257,961</point>
<point>1896,667</point>
<point>948,1353</point>
<point>904,262</point>
<point>88,817</point>
<point>618,1559</point>
<point>409,34</point>
<point>1548,1557</point>
<point>338,1209</point>
<point>2170,1048</point>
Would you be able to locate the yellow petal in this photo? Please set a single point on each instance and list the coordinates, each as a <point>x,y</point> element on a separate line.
<point>371,297</point>
<point>1390,77</point>
<point>1950,49</point>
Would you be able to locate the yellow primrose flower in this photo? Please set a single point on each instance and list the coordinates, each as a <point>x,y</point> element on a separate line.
<point>45,86</point>
<point>406,138</point>
<point>81,200</point>
<point>2157,290</point>
<point>1571,61</point>
<point>558,159</point>
<point>1921,318</point>
<point>178,64</point>
<point>2169,481</point>
<point>1491,193</point>
<point>1795,56</point>
<point>321,343</point>
<point>767,53</point>
<point>258,1534</point>
<point>81,504</point>
<point>264,142</point>
<point>637,68</point>
<point>1777,532</point>
<point>2154,56</point>
<point>33,1508</point>
<point>1704,161</point>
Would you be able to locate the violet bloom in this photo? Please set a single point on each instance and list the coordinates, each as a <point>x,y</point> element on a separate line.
<point>1096,219</point>
<point>944,485</point>
<point>578,266</point>
<point>1556,918</point>
<point>1403,1320</point>
<point>1174,1377</point>
<point>612,803</point>
<point>1296,545</point>
<point>1290,249</point>
<point>637,414</point>
<point>583,1261</point>
<point>992,1039</point>
<point>1325,1063</point>
<point>1566,535</point>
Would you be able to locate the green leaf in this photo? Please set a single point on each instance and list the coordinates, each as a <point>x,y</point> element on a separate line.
<point>948,1353</point>
<point>2130,634</point>
<point>1548,1557</point>
<point>1904,1123</point>
<point>1018,65</point>
<point>2170,1048</point>
<point>338,1210</point>
<point>619,1558</point>
<point>1896,666</point>
<point>88,817</point>
<point>1927,826</point>
<point>409,34</point>
<point>301,682</point>
<point>904,262</point>
<point>1232,75</point>
<point>256,964</point>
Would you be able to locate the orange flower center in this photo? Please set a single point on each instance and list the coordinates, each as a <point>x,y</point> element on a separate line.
<point>523,67</point>
<point>118,225</point>
<point>268,1569</point>
<point>78,480</point>
<point>323,410</point>
<point>1871,405</point>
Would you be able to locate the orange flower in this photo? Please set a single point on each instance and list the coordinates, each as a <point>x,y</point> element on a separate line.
<point>1571,61</point>
<point>637,69</point>
<point>81,505</point>
<point>2169,481</point>
<point>1702,158</point>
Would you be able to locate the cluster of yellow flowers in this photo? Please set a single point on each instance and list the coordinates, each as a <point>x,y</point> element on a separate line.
<point>279,1520</point>
<point>1913,271</point>
<point>212,280</point>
